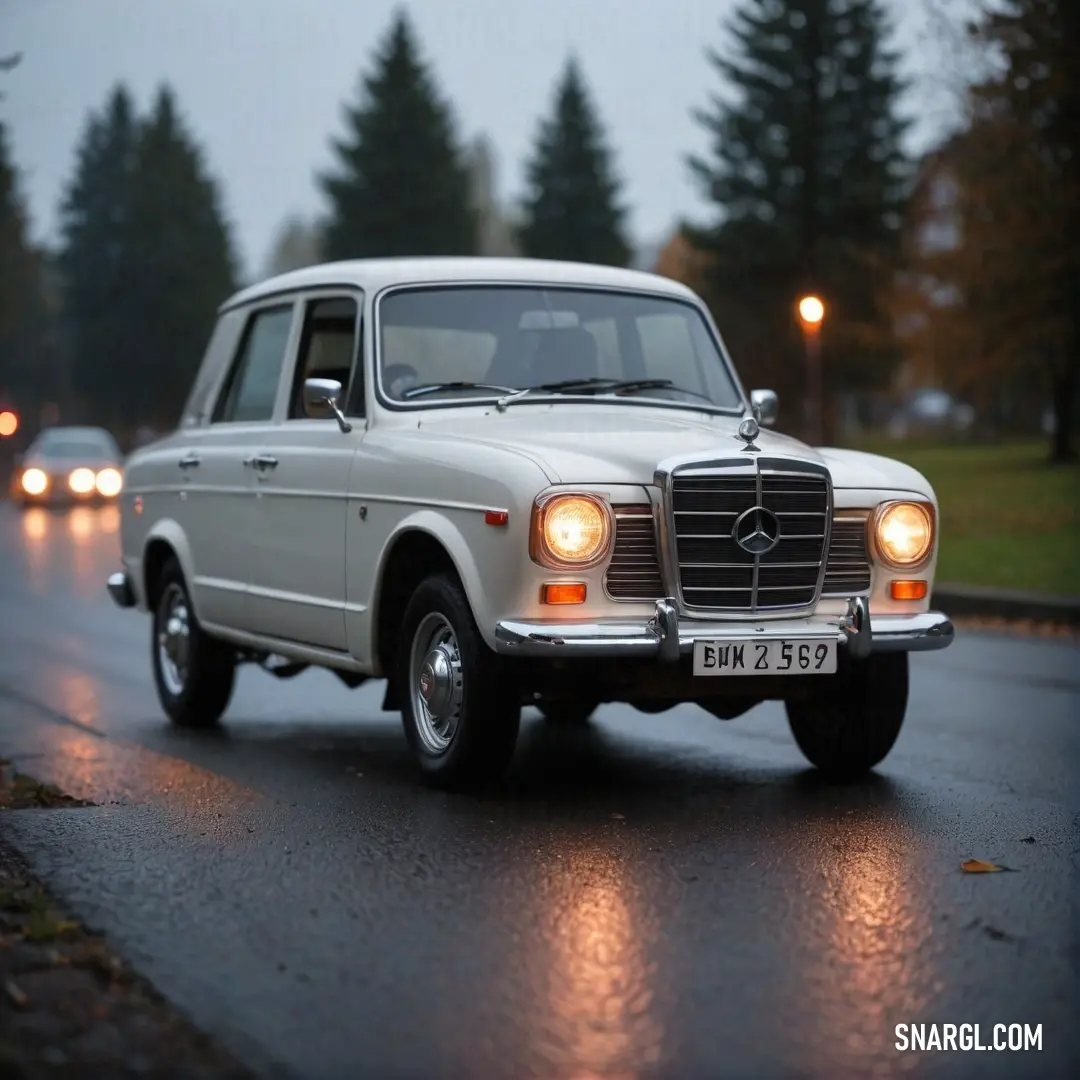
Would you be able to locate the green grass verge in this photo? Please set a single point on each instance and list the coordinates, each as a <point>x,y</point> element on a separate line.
<point>1008,518</point>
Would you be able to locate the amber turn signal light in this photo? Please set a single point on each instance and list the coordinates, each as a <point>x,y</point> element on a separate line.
<point>562,592</point>
<point>908,590</point>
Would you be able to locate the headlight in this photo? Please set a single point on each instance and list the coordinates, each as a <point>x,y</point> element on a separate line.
<point>904,533</point>
<point>571,531</point>
<point>109,482</point>
<point>82,481</point>
<point>34,482</point>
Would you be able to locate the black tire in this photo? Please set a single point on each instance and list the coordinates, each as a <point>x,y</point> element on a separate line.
<point>567,713</point>
<point>193,694</point>
<point>482,711</point>
<point>853,723</point>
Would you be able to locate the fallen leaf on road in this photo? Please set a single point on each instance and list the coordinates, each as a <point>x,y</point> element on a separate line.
<point>15,995</point>
<point>1027,839</point>
<point>978,866</point>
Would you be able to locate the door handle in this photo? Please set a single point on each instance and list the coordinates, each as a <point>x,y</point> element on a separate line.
<point>189,461</point>
<point>264,461</point>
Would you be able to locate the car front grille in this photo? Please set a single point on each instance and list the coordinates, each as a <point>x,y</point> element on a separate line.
<point>634,573</point>
<point>847,572</point>
<point>634,570</point>
<point>716,573</point>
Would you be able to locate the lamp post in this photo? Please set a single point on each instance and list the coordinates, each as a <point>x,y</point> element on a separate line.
<point>811,314</point>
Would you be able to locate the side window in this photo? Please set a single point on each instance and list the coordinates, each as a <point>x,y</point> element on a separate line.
<point>329,349</point>
<point>668,351</point>
<point>253,383</point>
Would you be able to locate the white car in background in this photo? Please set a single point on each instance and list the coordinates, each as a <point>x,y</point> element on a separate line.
<point>499,483</point>
<point>67,465</point>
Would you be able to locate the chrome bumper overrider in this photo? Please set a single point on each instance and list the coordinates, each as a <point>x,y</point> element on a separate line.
<point>666,636</point>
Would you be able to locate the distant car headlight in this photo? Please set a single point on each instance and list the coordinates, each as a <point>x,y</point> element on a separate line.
<point>904,533</point>
<point>109,482</point>
<point>82,481</point>
<point>34,482</point>
<point>571,531</point>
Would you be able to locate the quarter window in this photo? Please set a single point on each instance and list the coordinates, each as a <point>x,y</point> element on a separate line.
<point>253,384</point>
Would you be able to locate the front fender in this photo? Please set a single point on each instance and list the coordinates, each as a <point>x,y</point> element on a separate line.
<point>452,536</point>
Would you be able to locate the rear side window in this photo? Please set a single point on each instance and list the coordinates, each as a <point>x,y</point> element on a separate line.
<point>253,382</point>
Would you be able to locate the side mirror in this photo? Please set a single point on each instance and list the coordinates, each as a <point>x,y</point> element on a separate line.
<point>766,405</point>
<point>321,399</point>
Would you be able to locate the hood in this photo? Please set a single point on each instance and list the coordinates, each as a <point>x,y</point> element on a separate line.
<point>584,444</point>
<point>597,444</point>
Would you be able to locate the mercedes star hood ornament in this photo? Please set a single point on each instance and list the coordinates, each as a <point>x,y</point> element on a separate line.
<point>748,432</point>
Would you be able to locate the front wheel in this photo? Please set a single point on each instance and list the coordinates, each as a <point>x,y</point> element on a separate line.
<point>194,673</point>
<point>461,710</point>
<point>851,724</point>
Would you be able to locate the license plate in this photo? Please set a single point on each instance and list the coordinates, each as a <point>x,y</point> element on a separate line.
<point>804,656</point>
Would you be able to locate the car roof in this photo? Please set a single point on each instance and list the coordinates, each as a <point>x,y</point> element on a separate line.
<point>374,274</point>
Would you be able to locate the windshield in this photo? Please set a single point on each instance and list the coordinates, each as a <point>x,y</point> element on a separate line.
<point>74,449</point>
<point>461,342</point>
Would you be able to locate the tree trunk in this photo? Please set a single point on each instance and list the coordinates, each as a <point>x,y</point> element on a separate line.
<point>1064,405</point>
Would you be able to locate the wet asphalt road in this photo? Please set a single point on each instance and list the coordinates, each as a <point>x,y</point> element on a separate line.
<point>656,896</point>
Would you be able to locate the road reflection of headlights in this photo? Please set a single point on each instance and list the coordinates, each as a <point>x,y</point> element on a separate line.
<point>34,482</point>
<point>82,481</point>
<point>109,482</point>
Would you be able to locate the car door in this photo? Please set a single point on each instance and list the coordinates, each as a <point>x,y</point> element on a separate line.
<point>301,492</point>
<point>218,462</point>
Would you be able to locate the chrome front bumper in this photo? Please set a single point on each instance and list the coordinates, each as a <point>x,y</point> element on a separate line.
<point>666,636</point>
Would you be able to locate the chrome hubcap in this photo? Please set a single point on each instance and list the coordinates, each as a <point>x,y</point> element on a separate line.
<point>173,639</point>
<point>435,681</point>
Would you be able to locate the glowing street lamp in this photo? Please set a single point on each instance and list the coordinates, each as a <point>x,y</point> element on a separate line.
<point>811,311</point>
<point>811,315</point>
<point>9,423</point>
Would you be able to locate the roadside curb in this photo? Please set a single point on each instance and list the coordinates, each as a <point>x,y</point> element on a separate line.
<point>1006,603</point>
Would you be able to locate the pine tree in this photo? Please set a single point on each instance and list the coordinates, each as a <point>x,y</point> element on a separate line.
<point>572,210</point>
<point>101,338</point>
<point>179,247</point>
<point>807,176</point>
<point>401,187</point>
<point>145,262</point>
<point>19,285</point>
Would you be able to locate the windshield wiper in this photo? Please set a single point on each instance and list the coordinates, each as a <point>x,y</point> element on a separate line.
<point>434,388</point>
<point>598,385</point>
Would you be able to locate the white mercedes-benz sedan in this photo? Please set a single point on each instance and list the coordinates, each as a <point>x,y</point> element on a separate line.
<point>500,483</point>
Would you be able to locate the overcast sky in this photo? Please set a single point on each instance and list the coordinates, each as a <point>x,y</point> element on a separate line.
<point>261,84</point>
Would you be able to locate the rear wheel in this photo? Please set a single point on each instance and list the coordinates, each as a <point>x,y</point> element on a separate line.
<point>194,673</point>
<point>853,722</point>
<point>461,710</point>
